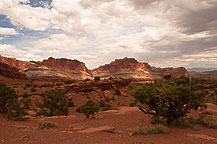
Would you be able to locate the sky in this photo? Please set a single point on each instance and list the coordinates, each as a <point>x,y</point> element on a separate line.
<point>164,33</point>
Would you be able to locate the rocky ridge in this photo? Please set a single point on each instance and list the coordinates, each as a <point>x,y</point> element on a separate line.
<point>74,69</point>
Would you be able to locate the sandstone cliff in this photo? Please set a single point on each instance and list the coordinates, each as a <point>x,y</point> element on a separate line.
<point>124,68</point>
<point>11,72</point>
<point>20,65</point>
<point>67,67</point>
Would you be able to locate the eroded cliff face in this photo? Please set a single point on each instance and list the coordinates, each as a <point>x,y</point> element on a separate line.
<point>11,72</point>
<point>74,69</point>
<point>20,65</point>
<point>124,68</point>
<point>159,73</point>
<point>67,67</point>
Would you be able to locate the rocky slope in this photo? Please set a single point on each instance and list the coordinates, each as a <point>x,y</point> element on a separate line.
<point>70,68</point>
<point>124,68</point>
<point>20,65</point>
<point>208,75</point>
<point>10,72</point>
<point>159,73</point>
<point>120,68</point>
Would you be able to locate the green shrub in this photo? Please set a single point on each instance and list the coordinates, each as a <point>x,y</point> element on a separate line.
<point>117,92</point>
<point>170,99</point>
<point>111,78</point>
<point>28,85</point>
<point>87,79</point>
<point>47,85</point>
<point>46,125</point>
<point>33,89</point>
<point>25,95</point>
<point>89,108</point>
<point>9,104</point>
<point>156,129</point>
<point>70,102</point>
<point>54,103</point>
<point>69,82</point>
<point>96,78</point>
<point>208,120</point>
<point>59,84</point>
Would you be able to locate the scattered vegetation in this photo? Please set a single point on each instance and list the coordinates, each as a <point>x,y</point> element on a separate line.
<point>70,102</point>
<point>33,89</point>
<point>59,84</point>
<point>46,85</point>
<point>28,85</point>
<point>87,79</point>
<point>208,120</point>
<point>170,99</point>
<point>155,129</point>
<point>96,78</point>
<point>46,125</point>
<point>89,108</point>
<point>9,104</point>
<point>117,92</point>
<point>69,82</point>
<point>104,106</point>
<point>54,103</point>
<point>25,95</point>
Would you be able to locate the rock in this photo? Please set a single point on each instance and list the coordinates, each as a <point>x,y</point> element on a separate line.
<point>11,72</point>
<point>124,68</point>
<point>99,129</point>
<point>20,126</point>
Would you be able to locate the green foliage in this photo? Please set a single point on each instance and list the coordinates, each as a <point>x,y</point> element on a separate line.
<point>155,129</point>
<point>46,125</point>
<point>54,103</point>
<point>46,85</point>
<point>104,106</point>
<point>26,103</point>
<point>59,84</point>
<point>25,95</point>
<point>208,120</point>
<point>70,102</point>
<point>170,99</point>
<point>69,82</point>
<point>28,85</point>
<point>111,78</point>
<point>33,89</point>
<point>96,78</point>
<point>87,79</point>
<point>117,92</point>
<point>89,108</point>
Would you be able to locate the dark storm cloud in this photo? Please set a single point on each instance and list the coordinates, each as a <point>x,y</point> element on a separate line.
<point>200,20</point>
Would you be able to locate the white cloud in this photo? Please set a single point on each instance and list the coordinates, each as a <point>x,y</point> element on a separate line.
<point>12,51</point>
<point>8,31</point>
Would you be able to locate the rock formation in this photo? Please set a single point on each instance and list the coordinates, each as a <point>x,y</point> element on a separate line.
<point>20,65</point>
<point>208,75</point>
<point>71,68</point>
<point>11,72</point>
<point>124,68</point>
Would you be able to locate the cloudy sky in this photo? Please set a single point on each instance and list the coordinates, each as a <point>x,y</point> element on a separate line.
<point>161,32</point>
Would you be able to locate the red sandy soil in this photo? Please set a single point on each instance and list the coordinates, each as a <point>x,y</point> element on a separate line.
<point>71,129</point>
<point>124,121</point>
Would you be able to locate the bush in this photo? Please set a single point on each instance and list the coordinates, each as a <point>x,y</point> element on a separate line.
<point>96,78</point>
<point>170,99</point>
<point>208,120</point>
<point>111,78</point>
<point>28,85</point>
<point>47,85</point>
<point>46,125</point>
<point>104,106</point>
<point>117,92</point>
<point>89,108</point>
<point>70,103</point>
<point>9,104</point>
<point>33,89</point>
<point>59,84</point>
<point>69,82</point>
<point>156,129</point>
<point>54,103</point>
<point>25,95</point>
<point>87,79</point>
